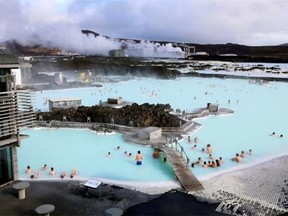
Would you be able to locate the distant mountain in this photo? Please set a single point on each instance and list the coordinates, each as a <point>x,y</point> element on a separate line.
<point>243,50</point>
<point>270,52</point>
<point>19,49</point>
<point>216,49</point>
<point>89,32</point>
<point>95,34</point>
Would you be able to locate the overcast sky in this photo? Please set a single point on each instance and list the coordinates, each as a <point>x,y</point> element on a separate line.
<point>249,22</point>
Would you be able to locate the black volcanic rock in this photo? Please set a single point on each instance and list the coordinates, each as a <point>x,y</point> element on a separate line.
<point>144,115</point>
<point>105,66</point>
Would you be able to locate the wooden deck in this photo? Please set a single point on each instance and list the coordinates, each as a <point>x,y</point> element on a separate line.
<point>183,173</point>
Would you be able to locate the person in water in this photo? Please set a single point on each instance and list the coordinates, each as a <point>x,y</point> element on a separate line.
<point>209,149</point>
<point>198,161</point>
<point>139,158</point>
<point>73,173</point>
<point>44,167</point>
<point>189,140</point>
<point>217,162</point>
<point>63,174</point>
<point>220,160</point>
<point>52,171</point>
<point>155,153</point>
<point>205,164</point>
<point>28,170</point>
<point>36,175</point>
<point>237,158</point>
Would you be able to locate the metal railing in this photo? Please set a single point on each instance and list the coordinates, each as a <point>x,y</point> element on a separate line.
<point>173,143</point>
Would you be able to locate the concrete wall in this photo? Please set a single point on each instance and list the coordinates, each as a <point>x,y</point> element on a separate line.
<point>123,128</point>
<point>15,162</point>
<point>155,134</point>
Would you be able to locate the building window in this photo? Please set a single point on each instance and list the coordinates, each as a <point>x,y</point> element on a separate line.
<point>6,166</point>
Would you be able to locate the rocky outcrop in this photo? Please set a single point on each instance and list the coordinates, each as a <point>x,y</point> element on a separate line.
<point>100,129</point>
<point>144,115</point>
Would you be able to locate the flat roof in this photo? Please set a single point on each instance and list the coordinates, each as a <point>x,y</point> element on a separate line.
<point>151,129</point>
<point>65,99</point>
<point>8,59</point>
<point>9,65</point>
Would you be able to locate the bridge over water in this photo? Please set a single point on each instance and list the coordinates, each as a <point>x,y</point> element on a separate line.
<point>179,160</point>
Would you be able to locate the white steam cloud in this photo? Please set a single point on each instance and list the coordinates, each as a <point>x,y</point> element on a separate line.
<point>42,22</point>
<point>59,22</point>
<point>100,45</point>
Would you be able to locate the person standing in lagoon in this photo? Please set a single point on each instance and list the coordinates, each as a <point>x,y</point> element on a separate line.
<point>209,149</point>
<point>139,158</point>
<point>189,140</point>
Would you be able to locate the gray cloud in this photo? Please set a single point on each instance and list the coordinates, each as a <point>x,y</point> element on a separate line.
<point>59,22</point>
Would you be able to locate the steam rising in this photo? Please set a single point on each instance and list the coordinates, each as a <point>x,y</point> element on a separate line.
<point>101,45</point>
<point>59,23</point>
<point>40,22</point>
<point>72,39</point>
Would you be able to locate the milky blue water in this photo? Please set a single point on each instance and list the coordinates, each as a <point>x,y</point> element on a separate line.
<point>258,111</point>
<point>66,149</point>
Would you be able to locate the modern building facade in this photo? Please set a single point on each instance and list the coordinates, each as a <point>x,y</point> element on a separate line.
<point>58,104</point>
<point>16,111</point>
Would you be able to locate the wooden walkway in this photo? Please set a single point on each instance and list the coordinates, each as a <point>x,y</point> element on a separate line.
<point>183,173</point>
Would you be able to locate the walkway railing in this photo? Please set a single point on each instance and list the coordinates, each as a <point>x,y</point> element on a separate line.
<point>174,144</point>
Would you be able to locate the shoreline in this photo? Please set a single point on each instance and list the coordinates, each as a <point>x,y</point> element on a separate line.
<point>162,187</point>
<point>257,190</point>
<point>243,167</point>
<point>151,188</point>
<point>216,71</point>
<point>265,184</point>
